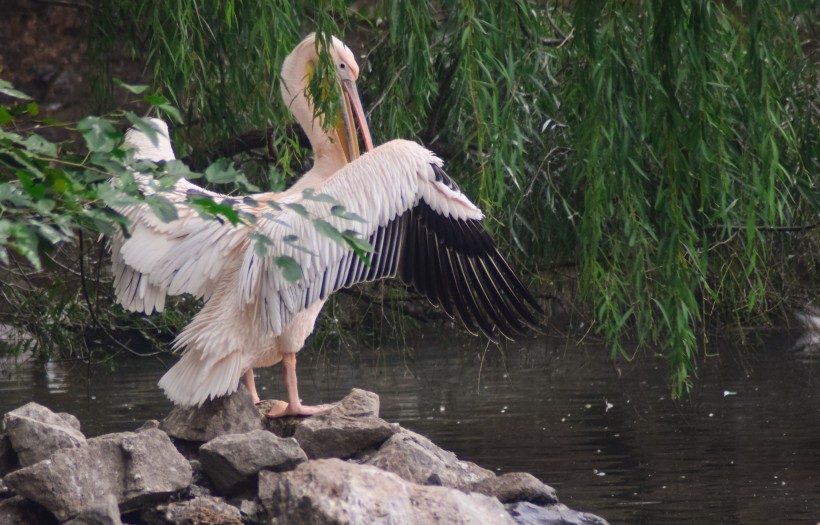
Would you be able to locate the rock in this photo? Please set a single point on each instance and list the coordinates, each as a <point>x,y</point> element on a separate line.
<point>20,511</point>
<point>417,459</point>
<point>8,458</point>
<point>234,414</point>
<point>197,474</point>
<point>134,467</point>
<point>106,513</point>
<point>70,420</point>
<point>252,511</point>
<point>148,425</point>
<point>336,492</point>
<point>233,461</point>
<point>36,432</point>
<point>5,492</point>
<point>195,491</point>
<point>525,513</point>
<point>516,486</point>
<point>349,427</point>
<point>359,403</point>
<point>204,510</point>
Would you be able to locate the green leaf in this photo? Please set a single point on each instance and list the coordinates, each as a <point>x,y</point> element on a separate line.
<point>99,134</point>
<point>221,172</point>
<point>27,244</point>
<point>5,116</point>
<point>6,89</point>
<point>290,268</point>
<point>133,88</point>
<point>360,246</point>
<point>309,194</point>
<point>106,220</point>
<point>162,207</point>
<point>211,209</point>
<point>329,231</point>
<point>40,146</point>
<point>299,209</point>
<point>177,169</point>
<point>145,126</point>
<point>156,100</point>
<point>293,241</point>
<point>342,213</point>
<point>261,243</point>
<point>172,112</point>
<point>114,198</point>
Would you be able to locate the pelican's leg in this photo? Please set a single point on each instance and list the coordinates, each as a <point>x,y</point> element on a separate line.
<point>250,384</point>
<point>294,406</point>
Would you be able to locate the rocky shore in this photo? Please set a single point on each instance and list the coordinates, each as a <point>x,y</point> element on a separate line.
<point>225,463</point>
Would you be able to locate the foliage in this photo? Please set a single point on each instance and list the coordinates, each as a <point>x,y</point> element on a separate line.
<point>668,148</point>
<point>699,143</point>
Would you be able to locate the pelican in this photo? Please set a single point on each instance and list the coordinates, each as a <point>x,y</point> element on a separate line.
<point>423,230</point>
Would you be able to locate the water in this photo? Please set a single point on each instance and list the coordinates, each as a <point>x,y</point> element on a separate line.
<point>744,447</point>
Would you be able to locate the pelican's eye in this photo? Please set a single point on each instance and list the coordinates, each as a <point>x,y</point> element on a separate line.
<point>342,65</point>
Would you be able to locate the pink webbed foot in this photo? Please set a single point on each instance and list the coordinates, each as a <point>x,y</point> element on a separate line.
<point>283,408</point>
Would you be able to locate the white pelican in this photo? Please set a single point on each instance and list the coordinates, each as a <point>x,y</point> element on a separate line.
<point>423,230</point>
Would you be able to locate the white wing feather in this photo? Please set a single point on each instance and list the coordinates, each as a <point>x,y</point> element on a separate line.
<point>159,258</point>
<point>379,186</point>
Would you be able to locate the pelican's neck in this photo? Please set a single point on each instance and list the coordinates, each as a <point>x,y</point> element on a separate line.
<point>327,152</point>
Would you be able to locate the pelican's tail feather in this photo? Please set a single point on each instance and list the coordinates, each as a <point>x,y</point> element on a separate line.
<point>194,379</point>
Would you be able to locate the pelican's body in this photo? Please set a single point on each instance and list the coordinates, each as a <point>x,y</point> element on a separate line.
<point>423,230</point>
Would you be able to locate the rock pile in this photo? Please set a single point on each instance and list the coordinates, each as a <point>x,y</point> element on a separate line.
<point>226,464</point>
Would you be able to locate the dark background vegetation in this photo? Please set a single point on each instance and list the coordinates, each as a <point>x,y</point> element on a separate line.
<point>650,166</point>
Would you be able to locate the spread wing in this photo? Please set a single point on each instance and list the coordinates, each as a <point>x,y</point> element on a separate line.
<point>157,258</point>
<point>423,230</point>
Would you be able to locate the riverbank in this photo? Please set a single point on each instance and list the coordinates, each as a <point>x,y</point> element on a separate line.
<point>226,463</point>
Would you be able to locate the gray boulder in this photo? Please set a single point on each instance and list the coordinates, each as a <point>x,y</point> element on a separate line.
<point>70,420</point>
<point>337,492</point>
<point>36,432</point>
<point>106,512</point>
<point>20,511</point>
<point>202,510</point>
<point>525,513</point>
<point>417,459</point>
<point>8,458</point>
<point>516,486</point>
<point>349,427</point>
<point>233,414</point>
<point>134,467</point>
<point>233,461</point>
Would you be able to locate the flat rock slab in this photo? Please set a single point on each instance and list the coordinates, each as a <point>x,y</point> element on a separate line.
<point>233,461</point>
<point>417,459</point>
<point>234,414</point>
<point>516,486</point>
<point>336,492</point>
<point>36,432</point>
<point>135,467</point>
<point>525,513</point>
<point>351,426</point>
<point>203,510</point>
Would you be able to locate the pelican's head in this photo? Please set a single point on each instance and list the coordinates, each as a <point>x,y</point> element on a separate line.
<point>297,71</point>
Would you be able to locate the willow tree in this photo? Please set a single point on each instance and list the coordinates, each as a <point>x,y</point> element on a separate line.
<point>666,151</point>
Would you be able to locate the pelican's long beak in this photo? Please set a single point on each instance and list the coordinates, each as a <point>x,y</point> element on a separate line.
<point>352,111</point>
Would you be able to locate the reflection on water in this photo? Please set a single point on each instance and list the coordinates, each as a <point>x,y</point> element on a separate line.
<point>743,448</point>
